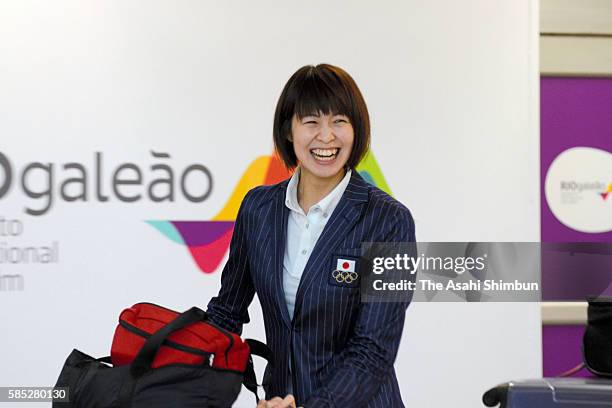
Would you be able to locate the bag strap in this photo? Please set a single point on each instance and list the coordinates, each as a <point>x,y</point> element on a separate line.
<point>257,348</point>
<point>143,360</point>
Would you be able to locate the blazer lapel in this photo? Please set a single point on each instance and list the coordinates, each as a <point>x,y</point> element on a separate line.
<point>279,215</point>
<point>342,220</point>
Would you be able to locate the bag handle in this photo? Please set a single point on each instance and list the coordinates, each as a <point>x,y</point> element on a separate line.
<point>257,348</point>
<point>143,360</point>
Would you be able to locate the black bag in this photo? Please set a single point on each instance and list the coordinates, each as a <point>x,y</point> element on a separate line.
<point>597,340</point>
<point>96,383</point>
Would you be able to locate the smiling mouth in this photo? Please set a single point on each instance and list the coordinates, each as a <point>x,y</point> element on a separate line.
<point>325,154</point>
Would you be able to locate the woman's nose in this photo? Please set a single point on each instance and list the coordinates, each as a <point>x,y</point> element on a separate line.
<point>326,134</point>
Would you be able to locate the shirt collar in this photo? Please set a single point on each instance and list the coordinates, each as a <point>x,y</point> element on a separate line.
<point>327,204</point>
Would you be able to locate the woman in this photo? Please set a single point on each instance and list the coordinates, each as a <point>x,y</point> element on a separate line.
<point>291,241</point>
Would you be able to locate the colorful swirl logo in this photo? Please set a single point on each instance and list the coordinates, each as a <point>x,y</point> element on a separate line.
<point>208,241</point>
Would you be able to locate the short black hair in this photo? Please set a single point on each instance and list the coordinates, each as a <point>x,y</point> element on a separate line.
<point>322,88</point>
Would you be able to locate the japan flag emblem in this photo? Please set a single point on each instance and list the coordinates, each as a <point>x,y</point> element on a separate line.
<point>345,265</point>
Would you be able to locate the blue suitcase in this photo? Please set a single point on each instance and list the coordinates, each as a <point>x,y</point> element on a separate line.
<point>551,393</point>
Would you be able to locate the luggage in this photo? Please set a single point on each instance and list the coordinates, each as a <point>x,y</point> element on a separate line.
<point>191,345</point>
<point>597,340</point>
<point>186,362</point>
<point>551,393</point>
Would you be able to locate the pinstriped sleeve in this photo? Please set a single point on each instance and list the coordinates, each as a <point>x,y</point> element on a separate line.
<point>229,309</point>
<point>367,360</point>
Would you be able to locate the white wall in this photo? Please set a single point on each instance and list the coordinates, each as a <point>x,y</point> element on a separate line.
<point>452,91</point>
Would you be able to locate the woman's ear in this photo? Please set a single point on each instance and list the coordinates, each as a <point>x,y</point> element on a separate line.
<point>290,137</point>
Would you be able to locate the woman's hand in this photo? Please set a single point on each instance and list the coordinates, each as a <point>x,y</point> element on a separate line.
<point>278,402</point>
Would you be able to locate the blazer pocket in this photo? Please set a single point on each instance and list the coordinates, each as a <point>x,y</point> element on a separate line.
<point>344,268</point>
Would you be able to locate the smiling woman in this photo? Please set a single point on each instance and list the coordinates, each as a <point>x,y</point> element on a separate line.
<point>293,239</point>
<point>327,138</point>
<point>322,98</point>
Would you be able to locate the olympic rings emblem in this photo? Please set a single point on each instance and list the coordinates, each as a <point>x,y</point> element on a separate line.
<point>344,276</point>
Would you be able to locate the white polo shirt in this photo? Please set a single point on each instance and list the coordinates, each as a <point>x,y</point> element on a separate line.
<point>303,231</point>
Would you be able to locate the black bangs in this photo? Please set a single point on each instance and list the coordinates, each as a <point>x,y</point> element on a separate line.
<point>321,89</point>
<point>319,92</point>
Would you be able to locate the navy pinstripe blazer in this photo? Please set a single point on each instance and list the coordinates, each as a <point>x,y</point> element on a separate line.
<point>343,349</point>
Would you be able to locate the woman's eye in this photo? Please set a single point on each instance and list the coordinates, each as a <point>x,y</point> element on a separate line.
<point>341,121</point>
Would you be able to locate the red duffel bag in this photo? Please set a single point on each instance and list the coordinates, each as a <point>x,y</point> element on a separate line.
<point>196,344</point>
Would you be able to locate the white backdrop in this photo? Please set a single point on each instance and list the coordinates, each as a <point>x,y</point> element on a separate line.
<point>452,91</point>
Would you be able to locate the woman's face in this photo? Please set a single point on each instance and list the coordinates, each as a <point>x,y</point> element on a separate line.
<point>322,143</point>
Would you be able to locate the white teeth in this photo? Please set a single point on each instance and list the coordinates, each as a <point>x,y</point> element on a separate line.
<point>325,154</point>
